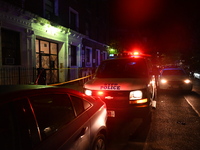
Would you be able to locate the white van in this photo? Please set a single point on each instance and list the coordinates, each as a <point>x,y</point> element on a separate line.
<point>125,84</point>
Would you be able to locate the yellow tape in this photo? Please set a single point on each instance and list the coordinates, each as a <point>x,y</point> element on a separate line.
<point>71,68</point>
<point>70,81</point>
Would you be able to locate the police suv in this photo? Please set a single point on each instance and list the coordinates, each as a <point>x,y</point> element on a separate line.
<point>125,84</point>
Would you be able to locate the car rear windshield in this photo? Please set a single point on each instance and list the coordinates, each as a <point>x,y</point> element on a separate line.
<point>122,68</point>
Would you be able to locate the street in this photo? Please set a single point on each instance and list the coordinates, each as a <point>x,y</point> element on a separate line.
<point>175,125</point>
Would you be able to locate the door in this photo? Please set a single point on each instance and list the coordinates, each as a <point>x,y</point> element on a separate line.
<point>47,58</point>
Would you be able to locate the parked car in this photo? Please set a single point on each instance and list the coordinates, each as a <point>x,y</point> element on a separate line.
<point>42,117</point>
<point>125,84</point>
<point>174,79</point>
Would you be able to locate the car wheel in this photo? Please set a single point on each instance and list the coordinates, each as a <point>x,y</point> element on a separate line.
<point>99,143</point>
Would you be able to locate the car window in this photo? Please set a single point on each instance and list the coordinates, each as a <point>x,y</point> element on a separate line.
<point>52,111</point>
<point>130,68</point>
<point>79,104</point>
<point>7,128</point>
<point>173,72</point>
<point>18,128</point>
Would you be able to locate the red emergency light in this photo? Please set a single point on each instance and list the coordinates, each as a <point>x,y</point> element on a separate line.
<point>135,54</point>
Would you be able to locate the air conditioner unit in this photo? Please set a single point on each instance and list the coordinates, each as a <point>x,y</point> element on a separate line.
<point>9,61</point>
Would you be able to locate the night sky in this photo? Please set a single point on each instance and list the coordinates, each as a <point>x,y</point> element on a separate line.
<point>157,25</point>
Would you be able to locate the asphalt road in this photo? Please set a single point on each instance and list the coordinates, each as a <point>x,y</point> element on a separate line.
<point>175,125</point>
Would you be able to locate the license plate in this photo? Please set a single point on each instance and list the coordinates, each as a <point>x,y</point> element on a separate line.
<point>111,113</point>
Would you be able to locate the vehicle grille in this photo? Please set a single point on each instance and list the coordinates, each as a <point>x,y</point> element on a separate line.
<point>175,82</point>
<point>120,98</point>
<point>113,93</point>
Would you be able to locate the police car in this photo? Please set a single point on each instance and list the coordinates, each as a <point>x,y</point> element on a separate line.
<point>125,84</point>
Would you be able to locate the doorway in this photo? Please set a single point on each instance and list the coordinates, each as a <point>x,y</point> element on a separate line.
<point>47,59</point>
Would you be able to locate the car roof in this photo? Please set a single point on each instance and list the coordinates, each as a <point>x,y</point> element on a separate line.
<point>14,91</point>
<point>14,88</point>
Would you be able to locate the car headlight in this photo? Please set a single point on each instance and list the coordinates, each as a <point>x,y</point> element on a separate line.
<point>163,81</point>
<point>88,92</point>
<point>187,81</point>
<point>134,95</point>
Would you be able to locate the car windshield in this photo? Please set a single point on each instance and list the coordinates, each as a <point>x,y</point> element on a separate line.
<point>173,72</point>
<point>122,68</point>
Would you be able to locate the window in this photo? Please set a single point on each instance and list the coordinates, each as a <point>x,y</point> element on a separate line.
<point>87,28</point>
<point>51,9</point>
<point>10,47</point>
<point>123,69</point>
<point>52,111</point>
<point>73,20</point>
<point>88,55</point>
<point>173,72</point>
<point>104,56</point>
<point>97,57</point>
<point>6,128</point>
<point>73,55</point>
<point>79,104</point>
<point>18,129</point>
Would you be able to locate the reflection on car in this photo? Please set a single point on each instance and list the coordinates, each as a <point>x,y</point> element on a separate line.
<point>174,79</point>
<point>50,118</point>
<point>196,74</point>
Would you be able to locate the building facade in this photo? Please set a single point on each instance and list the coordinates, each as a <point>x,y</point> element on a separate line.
<point>53,39</point>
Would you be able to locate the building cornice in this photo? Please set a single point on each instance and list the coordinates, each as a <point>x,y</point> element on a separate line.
<point>15,15</point>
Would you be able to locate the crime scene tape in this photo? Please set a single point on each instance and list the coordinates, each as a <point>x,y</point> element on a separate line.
<point>70,81</point>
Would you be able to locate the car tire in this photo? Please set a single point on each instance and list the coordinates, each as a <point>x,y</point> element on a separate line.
<point>99,142</point>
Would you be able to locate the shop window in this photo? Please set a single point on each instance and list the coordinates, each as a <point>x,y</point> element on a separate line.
<point>10,47</point>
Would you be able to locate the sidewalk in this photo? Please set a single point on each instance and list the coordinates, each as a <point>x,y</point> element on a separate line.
<point>74,86</point>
